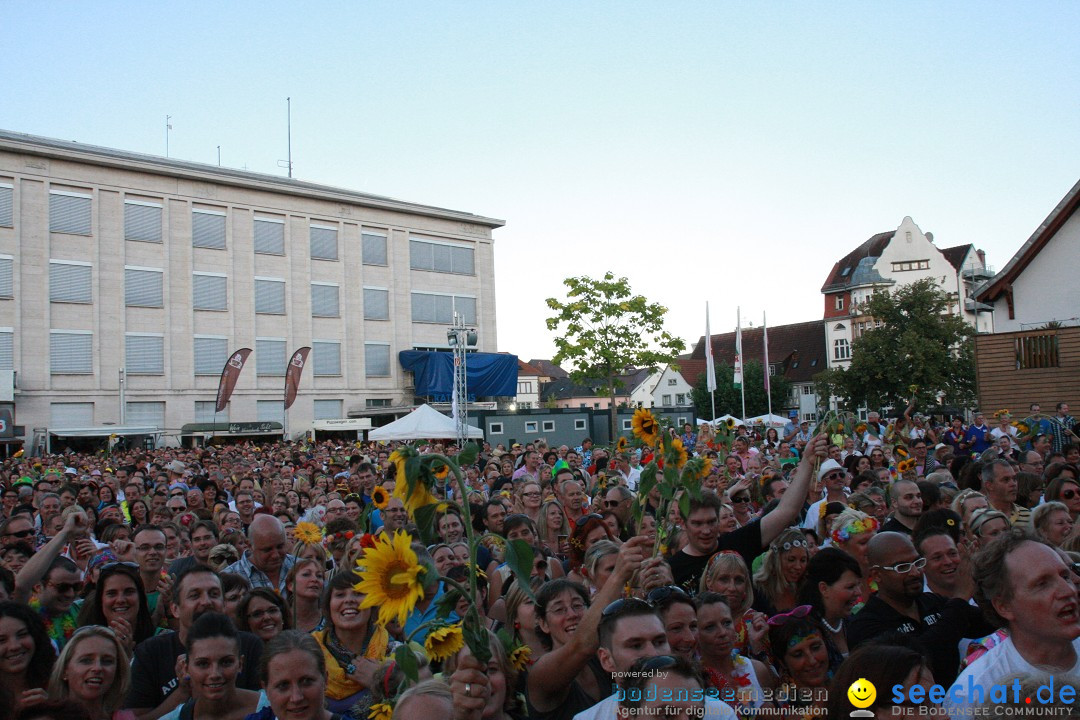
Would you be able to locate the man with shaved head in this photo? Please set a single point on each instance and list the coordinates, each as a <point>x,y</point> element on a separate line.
<point>268,561</point>
<point>900,606</point>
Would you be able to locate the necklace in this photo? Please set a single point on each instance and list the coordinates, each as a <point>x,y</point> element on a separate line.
<point>834,630</point>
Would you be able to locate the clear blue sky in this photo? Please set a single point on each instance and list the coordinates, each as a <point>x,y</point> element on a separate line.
<point>719,151</point>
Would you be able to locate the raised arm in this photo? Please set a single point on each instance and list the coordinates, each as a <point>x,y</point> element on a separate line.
<point>37,566</point>
<point>787,512</point>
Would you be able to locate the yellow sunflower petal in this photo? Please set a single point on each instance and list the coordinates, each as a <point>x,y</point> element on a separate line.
<point>390,578</point>
<point>444,642</point>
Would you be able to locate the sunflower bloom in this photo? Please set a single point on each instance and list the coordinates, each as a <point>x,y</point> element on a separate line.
<point>440,470</point>
<point>730,422</point>
<point>381,711</point>
<point>379,497</point>
<point>390,578</point>
<point>444,642</point>
<point>519,657</point>
<point>645,427</point>
<point>397,459</point>
<point>621,445</point>
<point>419,497</point>
<point>677,453</point>
<point>308,533</point>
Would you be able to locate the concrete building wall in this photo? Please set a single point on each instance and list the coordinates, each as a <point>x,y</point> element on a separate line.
<point>110,178</point>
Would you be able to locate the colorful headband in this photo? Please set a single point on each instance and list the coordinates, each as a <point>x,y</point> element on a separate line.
<point>798,638</point>
<point>853,528</point>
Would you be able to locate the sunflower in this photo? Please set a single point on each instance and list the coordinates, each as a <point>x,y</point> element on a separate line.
<point>621,445</point>
<point>860,428</point>
<point>308,533</point>
<point>678,453</point>
<point>705,469</point>
<point>418,498</point>
<point>440,470</point>
<point>645,427</point>
<point>730,422</point>
<point>381,711</point>
<point>519,657</point>
<point>397,459</point>
<point>379,497</point>
<point>390,578</point>
<point>900,451</point>
<point>444,642</point>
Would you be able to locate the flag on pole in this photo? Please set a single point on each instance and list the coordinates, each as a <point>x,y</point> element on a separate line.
<point>293,373</point>
<point>765,340</point>
<point>710,369</point>
<point>229,375</point>
<point>738,353</point>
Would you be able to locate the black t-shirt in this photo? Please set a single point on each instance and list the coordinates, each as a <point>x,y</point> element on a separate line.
<point>894,525</point>
<point>942,623</point>
<point>686,569</point>
<point>153,669</point>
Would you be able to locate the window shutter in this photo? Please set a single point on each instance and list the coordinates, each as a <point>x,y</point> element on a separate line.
<point>204,411</point>
<point>70,283</point>
<point>269,410</point>
<point>269,236</point>
<point>142,222</point>
<point>146,413</point>
<point>143,288</point>
<point>210,355</point>
<point>210,292</point>
<point>324,245</point>
<point>71,415</point>
<point>144,354</point>
<point>69,214</point>
<point>70,353</point>
<point>376,360</point>
<point>208,229</point>
<point>7,350</point>
<point>324,301</point>
<point>327,357</point>
<point>462,260</point>
<point>328,409</point>
<point>376,304</point>
<point>6,215</point>
<point>374,249</point>
<point>7,270</point>
<point>270,297</point>
<point>270,357</point>
<point>466,308</point>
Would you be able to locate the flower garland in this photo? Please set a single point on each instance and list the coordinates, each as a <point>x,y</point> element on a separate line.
<point>856,527</point>
<point>60,634</point>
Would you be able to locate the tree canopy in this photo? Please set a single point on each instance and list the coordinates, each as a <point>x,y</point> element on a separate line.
<point>921,353</point>
<point>602,329</point>
<point>728,398</point>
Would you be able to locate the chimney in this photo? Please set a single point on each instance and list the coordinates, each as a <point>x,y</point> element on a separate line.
<point>982,257</point>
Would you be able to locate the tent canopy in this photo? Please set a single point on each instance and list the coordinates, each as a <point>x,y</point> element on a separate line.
<point>721,419</point>
<point>773,420</point>
<point>421,424</point>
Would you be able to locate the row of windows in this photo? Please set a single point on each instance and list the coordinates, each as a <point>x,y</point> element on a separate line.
<point>71,213</point>
<point>152,413</point>
<point>71,353</point>
<point>911,265</point>
<point>680,399</point>
<point>72,282</point>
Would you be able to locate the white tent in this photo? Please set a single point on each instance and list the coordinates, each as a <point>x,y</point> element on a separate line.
<point>773,420</point>
<point>721,419</point>
<point>421,424</point>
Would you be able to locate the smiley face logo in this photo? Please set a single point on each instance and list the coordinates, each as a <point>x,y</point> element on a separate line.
<point>862,693</point>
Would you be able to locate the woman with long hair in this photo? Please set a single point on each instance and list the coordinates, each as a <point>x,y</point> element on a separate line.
<point>598,565</point>
<point>831,587</point>
<point>554,528</point>
<point>119,603</point>
<point>777,582</point>
<point>529,499</point>
<point>304,585</point>
<point>94,670</point>
<point>351,643</point>
<point>501,680</point>
<point>885,666</point>
<point>212,664</point>
<point>26,654</point>
<point>726,574</point>
<point>139,511</point>
<point>739,680</point>
<point>262,612</point>
<point>521,620</point>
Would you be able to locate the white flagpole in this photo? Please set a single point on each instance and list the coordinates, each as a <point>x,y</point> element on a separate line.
<point>710,368</point>
<point>739,359</point>
<point>765,340</point>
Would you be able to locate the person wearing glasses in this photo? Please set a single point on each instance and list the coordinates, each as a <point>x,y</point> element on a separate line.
<point>262,612</point>
<point>1064,489</point>
<point>119,603</point>
<point>834,477</point>
<point>50,582</point>
<point>937,624</point>
<point>150,548</point>
<point>17,528</point>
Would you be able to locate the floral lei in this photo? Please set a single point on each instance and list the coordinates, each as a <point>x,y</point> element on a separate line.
<point>67,622</point>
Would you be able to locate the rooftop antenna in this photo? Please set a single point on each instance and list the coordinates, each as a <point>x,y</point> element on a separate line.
<point>219,156</point>
<point>168,127</point>
<point>288,163</point>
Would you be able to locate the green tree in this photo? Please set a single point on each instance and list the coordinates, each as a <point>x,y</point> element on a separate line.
<point>728,398</point>
<point>921,353</point>
<point>602,329</point>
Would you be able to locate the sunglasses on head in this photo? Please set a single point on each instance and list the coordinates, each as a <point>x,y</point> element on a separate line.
<point>622,605</point>
<point>660,662</point>
<point>119,563</point>
<point>660,595</point>
<point>795,614</point>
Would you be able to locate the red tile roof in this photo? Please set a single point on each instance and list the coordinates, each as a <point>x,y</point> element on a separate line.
<point>839,279</point>
<point>799,349</point>
<point>525,368</point>
<point>549,369</point>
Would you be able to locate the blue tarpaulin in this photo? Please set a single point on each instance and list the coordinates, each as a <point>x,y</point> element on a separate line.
<point>486,374</point>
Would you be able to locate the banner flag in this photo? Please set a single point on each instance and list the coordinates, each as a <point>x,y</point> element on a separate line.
<point>229,375</point>
<point>293,373</point>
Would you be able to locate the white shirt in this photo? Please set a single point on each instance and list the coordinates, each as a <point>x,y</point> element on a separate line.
<point>632,478</point>
<point>998,665</point>
<point>608,709</point>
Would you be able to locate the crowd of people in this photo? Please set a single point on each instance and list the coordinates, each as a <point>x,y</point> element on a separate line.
<point>931,558</point>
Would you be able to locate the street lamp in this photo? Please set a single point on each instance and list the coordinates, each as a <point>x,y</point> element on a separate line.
<point>460,338</point>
